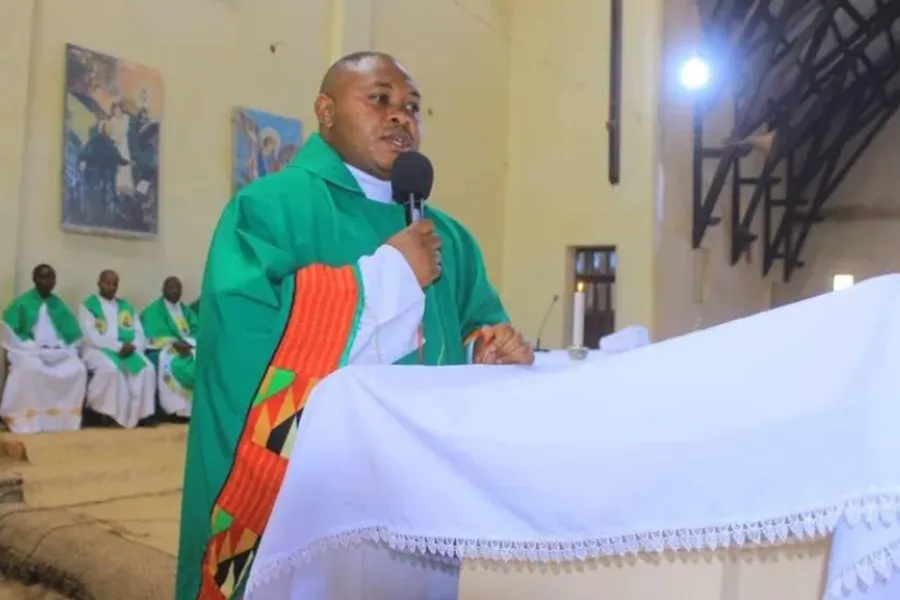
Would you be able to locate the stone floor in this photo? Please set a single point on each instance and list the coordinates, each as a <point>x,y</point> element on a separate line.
<point>127,482</point>
<point>13,590</point>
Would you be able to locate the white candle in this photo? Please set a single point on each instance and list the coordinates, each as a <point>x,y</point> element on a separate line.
<point>578,317</point>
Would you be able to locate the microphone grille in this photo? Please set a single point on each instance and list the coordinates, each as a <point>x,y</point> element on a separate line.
<point>412,175</point>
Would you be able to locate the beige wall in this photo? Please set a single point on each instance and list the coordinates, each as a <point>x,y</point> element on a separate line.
<point>214,55</point>
<point>15,58</point>
<point>558,194</point>
<point>458,50</point>
<point>696,289</point>
<point>863,248</point>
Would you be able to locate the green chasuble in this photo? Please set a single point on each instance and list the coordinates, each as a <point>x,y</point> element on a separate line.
<point>281,299</point>
<point>132,364</point>
<point>21,317</point>
<point>195,306</point>
<point>162,330</point>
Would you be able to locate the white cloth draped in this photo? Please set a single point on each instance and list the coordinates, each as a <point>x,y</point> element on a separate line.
<point>45,387</point>
<point>784,425</point>
<point>625,340</point>
<point>124,397</point>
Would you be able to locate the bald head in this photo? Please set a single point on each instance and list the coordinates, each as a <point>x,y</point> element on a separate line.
<point>44,278</point>
<point>172,289</point>
<point>358,62</point>
<point>368,111</point>
<point>108,284</point>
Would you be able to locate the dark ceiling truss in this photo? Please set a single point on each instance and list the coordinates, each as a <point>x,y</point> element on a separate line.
<point>815,81</point>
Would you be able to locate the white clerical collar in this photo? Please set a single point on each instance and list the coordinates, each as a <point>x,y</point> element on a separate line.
<point>105,301</point>
<point>172,305</point>
<point>374,188</point>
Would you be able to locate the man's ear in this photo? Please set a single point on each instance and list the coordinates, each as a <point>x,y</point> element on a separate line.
<point>324,109</point>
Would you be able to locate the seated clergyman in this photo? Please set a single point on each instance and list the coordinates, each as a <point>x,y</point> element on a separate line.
<point>46,382</point>
<point>171,330</point>
<point>123,383</point>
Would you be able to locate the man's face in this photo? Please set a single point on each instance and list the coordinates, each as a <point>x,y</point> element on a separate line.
<point>45,281</point>
<point>108,285</point>
<point>172,289</point>
<point>374,115</point>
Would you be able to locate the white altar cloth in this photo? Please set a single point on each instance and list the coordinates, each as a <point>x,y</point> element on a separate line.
<point>780,426</point>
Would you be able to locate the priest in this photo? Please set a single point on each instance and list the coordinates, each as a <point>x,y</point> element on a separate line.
<point>123,382</point>
<point>171,330</point>
<point>45,385</point>
<point>311,269</point>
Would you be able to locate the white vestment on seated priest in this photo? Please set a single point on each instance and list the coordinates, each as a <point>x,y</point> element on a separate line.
<point>45,386</point>
<point>125,397</point>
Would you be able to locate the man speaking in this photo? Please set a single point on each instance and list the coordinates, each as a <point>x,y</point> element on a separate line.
<point>311,269</point>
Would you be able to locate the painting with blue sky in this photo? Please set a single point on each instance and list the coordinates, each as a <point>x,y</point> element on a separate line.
<point>264,143</point>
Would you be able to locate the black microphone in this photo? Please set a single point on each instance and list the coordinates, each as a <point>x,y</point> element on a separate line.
<point>553,302</point>
<point>412,177</point>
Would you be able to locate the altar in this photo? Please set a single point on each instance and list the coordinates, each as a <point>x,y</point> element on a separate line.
<point>754,460</point>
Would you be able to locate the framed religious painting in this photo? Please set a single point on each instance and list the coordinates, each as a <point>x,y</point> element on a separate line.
<point>264,143</point>
<point>111,131</point>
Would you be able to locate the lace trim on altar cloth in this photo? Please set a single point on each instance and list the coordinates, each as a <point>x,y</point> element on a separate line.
<point>873,510</point>
<point>881,564</point>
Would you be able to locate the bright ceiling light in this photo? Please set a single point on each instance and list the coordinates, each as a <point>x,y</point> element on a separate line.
<point>695,73</point>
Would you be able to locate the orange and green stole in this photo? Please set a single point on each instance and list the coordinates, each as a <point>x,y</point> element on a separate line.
<point>282,297</point>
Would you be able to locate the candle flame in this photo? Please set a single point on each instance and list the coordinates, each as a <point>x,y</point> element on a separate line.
<point>579,287</point>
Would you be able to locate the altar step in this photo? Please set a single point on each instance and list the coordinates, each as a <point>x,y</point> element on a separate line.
<point>96,465</point>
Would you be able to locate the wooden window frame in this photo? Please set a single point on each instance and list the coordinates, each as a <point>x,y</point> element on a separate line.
<point>600,322</point>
